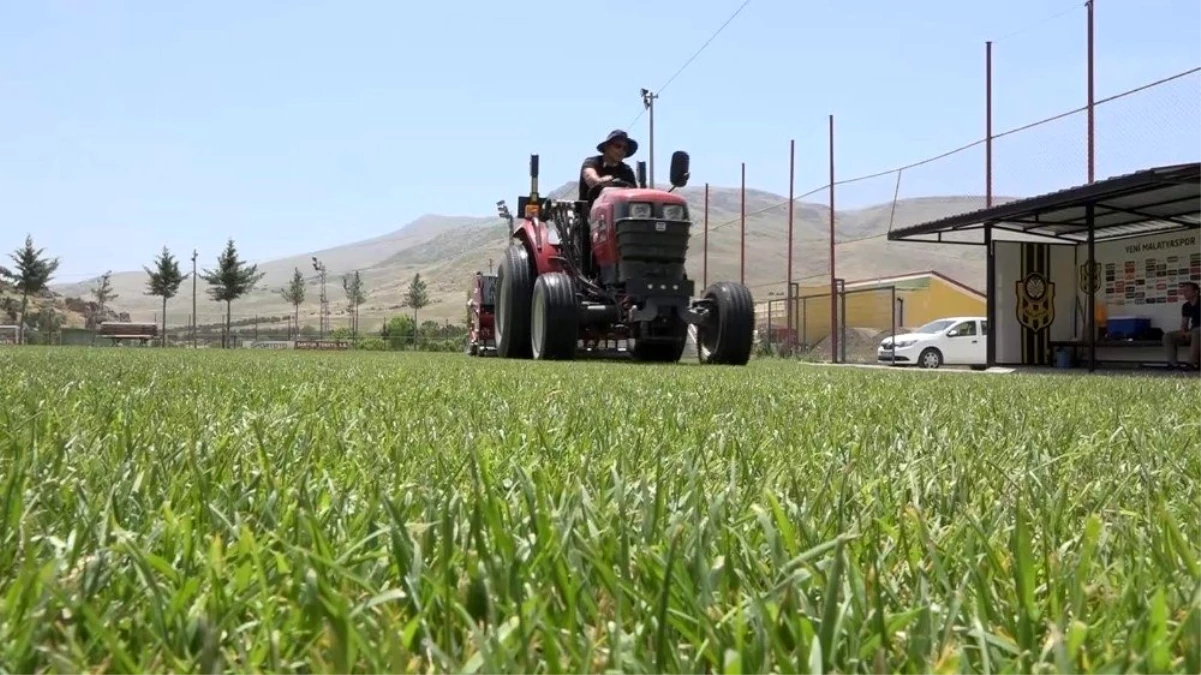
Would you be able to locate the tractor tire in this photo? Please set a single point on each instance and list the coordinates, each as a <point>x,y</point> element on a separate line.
<point>554,318</point>
<point>728,338</point>
<point>658,351</point>
<point>514,294</point>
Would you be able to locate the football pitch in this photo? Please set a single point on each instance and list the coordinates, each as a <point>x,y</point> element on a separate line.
<point>280,511</point>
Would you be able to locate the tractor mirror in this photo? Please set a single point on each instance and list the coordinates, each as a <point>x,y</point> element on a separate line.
<point>679,168</point>
<point>641,174</point>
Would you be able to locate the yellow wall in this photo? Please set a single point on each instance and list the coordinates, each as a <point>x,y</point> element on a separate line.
<point>868,307</point>
<point>940,300</point>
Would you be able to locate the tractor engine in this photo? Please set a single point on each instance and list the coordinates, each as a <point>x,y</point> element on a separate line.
<point>640,241</point>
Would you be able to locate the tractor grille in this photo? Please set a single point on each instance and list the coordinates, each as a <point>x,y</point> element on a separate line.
<point>646,252</point>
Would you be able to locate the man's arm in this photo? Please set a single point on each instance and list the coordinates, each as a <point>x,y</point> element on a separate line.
<point>589,174</point>
<point>1184,317</point>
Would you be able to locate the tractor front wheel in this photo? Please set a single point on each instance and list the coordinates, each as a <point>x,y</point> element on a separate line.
<point>515,287</point>
<point>554,319</point>
<point>727,336</point>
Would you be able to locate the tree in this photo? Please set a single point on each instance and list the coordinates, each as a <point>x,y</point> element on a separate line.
<point>48,323</point>
<point>293,293</point>
<point>356,295</point>
<point>397,331</point>
<point>232,279</point>
<point>104,293</point>
<point>164,282</point>
<point>417,296</point>
<point>11,309</point>
<point>31,275</point>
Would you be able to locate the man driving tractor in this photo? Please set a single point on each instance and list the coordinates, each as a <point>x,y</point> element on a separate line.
<point>608,165</point>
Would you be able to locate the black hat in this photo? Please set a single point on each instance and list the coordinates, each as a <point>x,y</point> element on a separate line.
<point>632,145</point>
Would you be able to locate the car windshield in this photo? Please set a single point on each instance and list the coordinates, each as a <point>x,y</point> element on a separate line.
<point>934,326</point>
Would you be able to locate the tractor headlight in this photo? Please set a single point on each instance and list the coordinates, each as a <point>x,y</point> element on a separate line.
<point>675,212</point>
<point>638,210</point>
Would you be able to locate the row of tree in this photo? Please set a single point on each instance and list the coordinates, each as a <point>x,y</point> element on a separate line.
<point>416,297</point>
<point>232,279</point>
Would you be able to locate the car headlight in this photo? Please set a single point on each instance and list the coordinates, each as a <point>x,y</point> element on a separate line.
<point>638,210</point>
<point>675,212</point>
<point>901,344</point>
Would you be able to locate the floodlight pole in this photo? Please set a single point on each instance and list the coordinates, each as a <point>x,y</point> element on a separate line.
<point>194,319</point>
<point>1091,136</point>
<point>320,267</point>
<point>648,102</point>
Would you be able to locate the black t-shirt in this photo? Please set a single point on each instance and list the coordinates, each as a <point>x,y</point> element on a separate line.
<point>621,171</point>
<point>1192,311</point>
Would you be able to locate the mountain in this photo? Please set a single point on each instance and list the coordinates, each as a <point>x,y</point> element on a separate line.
<point>447,250</point>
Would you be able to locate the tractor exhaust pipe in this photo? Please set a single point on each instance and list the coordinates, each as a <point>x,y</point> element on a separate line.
<point>642,174</point>
<point>533,206</point>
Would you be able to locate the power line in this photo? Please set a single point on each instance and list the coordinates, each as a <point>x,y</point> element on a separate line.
<point>1038,22</point>
<point>693,57</point>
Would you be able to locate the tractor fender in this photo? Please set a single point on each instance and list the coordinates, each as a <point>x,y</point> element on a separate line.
<point>542,245</point>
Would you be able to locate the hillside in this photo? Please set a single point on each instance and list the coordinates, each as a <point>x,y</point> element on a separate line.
<point>447,250</point>
<point>49,309</point>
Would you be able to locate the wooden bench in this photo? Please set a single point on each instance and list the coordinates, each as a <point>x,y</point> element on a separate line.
<point>121,331</point>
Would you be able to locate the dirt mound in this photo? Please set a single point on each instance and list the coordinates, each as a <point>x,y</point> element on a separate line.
<point>860,345</point>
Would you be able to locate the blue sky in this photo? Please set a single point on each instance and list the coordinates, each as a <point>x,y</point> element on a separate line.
<point>293,126</point>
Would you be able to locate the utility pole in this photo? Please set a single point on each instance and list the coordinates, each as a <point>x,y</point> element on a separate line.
<point>648,102</point>
<point>194,321</point>
<point>355,329</point>
<point>324,311</point>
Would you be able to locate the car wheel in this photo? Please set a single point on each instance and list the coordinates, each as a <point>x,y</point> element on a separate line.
<point>930,358</point>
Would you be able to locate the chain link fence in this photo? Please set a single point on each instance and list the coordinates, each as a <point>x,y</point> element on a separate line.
<point>861,318</point>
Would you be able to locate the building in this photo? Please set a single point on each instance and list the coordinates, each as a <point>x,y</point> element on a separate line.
<point>883,304</point>
<point>1116,250</point>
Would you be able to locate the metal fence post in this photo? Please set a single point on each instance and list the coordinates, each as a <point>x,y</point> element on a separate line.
<point>892,323</point>
<point>805,322</point>
<point>769,326</point>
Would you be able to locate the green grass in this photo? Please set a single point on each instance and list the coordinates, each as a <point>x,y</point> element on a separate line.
<point>246,511</point>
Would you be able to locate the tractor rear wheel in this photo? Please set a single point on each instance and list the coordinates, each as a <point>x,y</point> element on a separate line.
<point>554,319</point>
<point>515,288</point>
<point>727,337</point>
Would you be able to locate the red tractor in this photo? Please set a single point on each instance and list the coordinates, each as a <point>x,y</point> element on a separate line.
<point>575,276</point>
<point>481,315</point>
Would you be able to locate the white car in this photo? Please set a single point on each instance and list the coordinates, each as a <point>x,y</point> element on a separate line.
<point>954,341</point>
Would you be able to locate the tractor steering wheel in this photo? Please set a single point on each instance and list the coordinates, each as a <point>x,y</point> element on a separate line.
<point>595,190</point>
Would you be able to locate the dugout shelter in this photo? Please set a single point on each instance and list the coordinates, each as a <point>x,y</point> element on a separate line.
<point>1092,269</point>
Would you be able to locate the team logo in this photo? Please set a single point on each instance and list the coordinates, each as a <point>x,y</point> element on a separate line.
<point>1036,301</point>
<point>1090,284</point>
